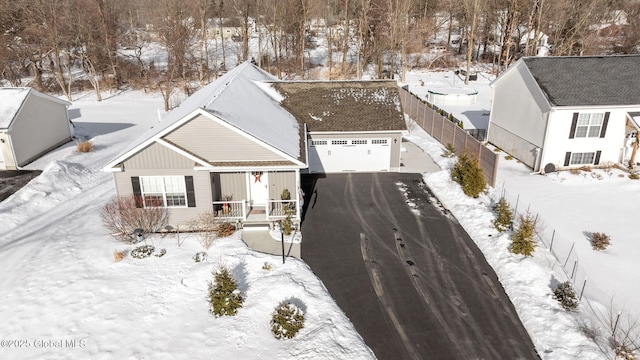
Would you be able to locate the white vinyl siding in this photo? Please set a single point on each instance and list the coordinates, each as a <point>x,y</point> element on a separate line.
<point>165,191</point>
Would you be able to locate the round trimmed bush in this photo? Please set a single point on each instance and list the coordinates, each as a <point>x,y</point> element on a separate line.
<point>287,320</point>
<point>566,296</point>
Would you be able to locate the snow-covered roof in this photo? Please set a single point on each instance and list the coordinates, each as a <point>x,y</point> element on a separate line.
<point>242,99</point>
<point>12,98</point>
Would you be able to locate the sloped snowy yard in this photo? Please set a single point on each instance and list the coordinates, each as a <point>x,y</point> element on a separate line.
<point>60,283</point>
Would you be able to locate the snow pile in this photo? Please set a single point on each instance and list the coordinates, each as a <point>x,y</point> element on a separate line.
<point>62,293</point>
<point>528,282</point>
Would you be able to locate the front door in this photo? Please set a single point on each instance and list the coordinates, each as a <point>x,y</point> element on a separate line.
<point>259,187</point>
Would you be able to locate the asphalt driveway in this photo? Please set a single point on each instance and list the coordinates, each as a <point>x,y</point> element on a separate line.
<point>408,276</point>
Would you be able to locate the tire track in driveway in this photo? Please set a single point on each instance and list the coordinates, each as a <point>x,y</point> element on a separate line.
<point>374,274</point>
<point>385,301</point>
<point>443,280</point>
<point>484,294</point>
<point>489,306</point>
<point>409,291</point>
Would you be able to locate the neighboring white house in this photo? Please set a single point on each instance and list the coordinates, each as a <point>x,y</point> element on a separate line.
<point>31,124</point>
<point>539,40</point>
<point>563,112</point>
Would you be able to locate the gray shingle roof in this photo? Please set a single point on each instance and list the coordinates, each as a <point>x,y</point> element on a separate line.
<point>587,80</point>
<point>344,105</point>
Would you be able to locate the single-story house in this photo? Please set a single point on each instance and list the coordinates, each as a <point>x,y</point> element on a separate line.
<point>566,112</point>
<point>237,144</point>
<point>31,124</point>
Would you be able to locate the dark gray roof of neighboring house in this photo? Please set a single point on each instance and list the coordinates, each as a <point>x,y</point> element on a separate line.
<point>344,105</point>
<point>587,80</point>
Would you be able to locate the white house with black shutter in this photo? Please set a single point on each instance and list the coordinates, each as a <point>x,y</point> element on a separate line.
<point>567,112</point>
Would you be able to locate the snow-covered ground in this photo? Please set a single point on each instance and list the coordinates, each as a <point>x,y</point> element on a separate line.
<point>60,281</point>
<point>569,207</point>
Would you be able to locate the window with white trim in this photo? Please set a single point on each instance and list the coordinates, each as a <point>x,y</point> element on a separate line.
<point>589,125</point>
<point>163,191</point>
<point>379,141</point>
<point>339,142</point>
<point>582,158</point>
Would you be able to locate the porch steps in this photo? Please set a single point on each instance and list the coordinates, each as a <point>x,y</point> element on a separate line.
<point>255,226</point>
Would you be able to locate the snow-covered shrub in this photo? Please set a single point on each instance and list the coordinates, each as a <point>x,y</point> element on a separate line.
<point>224,296</point>
<point>122,216</point>
<point>286,320</point>
<point>118,255</point>
<point>200,257</point>
<point>522,240</point>
<point>566,296</point>
<point>634,176</point>
<point>84,147</point>
<point>267,266</point>
<point>504,215</point>
<point>287,225</point>
<point>160,253</point>
<point>468,174</point>
<point>508,157</point>
<point>600,241</point>
<point>142,251</point>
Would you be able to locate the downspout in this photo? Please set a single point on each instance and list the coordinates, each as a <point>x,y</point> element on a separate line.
<point>540,150</point>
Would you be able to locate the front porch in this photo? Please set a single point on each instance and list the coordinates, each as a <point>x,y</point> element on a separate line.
<point>243,211</point>
<point>257,196</point>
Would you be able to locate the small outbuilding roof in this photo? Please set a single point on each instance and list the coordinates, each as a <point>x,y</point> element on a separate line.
<point>587,80</point>
<point>12,98</point>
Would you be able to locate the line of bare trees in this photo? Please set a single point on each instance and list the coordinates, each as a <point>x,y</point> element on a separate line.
<point>165,45</point>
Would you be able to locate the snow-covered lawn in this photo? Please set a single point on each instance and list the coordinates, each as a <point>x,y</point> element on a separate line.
<point>569,207</point>
<point>569,204</point>
<point>60,283</point>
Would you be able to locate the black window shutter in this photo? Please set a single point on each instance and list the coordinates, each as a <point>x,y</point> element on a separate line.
<point>603,131</point>
<point>574,123</point>
<point>567,158</point>
<point>191,195</point>
<point>597,159</point>
<point>137,194</point>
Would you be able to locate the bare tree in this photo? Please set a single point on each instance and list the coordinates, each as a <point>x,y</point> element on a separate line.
<point>471,12</point>
<point>245,10</point>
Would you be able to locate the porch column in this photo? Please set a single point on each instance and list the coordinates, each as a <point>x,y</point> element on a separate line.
<point>298,190</point>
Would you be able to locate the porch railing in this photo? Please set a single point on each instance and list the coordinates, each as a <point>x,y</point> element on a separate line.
<point>231,210</point>
<point>278,209</point>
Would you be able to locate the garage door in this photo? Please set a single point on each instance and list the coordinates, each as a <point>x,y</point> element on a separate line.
<point>338,155</point>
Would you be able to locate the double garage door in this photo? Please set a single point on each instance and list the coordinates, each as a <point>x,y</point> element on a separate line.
<point>358,154</point>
